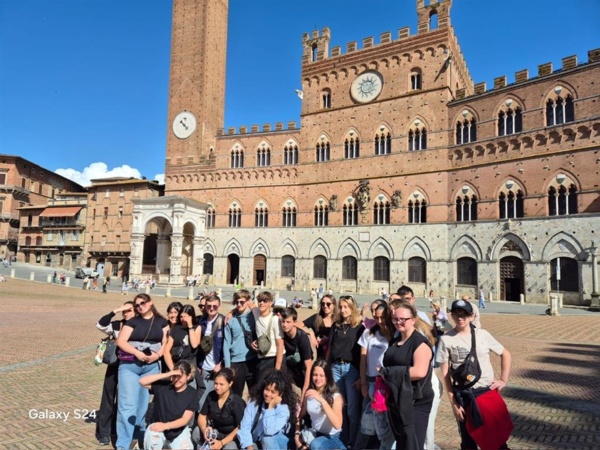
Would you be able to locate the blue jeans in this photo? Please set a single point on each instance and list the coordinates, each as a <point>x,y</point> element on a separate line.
<point>345,376</point>
<point>132,402</point>
<point>277,441</point>
<point>331,442</point>
<point>154,440</point>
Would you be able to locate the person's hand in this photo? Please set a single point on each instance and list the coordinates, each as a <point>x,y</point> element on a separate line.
<point>364,390</point>
<point>498,384</point>
<point>356,385</point>
<point>365,310</point>
<point>176,373</point>
<point>216,445</point>
<point>458,411</point>
<point>158,427</point>
<point>312,393</point>
<point>153,357</point>
<point>140,356</point>
<point>217,368</point>
<point>255,346</point>
<point>121,309</point>
<point>275,401</point>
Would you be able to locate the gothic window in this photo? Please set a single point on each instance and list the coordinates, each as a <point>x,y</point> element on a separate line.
<point>510,201</point>
<point>288,266</point>
<point>261,217</point>
<point>381,212</point>
<point>350,214</point>
<point>323,150</point>
<point>290,154</point>
<point>263,157</point>
<point>466,271</point>
<point>417,139</point>
<point>559,108</point>
<point>289,216</point>
<point>314,52</point>
<point>466,128</point>
<point>321,215</point>
<point>466,206</point>
<point>569,275</point>
<point>417,209</point>
<point>349,265</point>
<point>417,270</point>
<point>235,217</point>
<point>381,269</point>
<point>320,267</point>
<point>416,80</point>
<point>237,158</point>
<point>351,146</point>
<point>209,262</point>
<point>562,201</point>
<point>383,141</point>
<point>510,120</point>
<point>326,99</point>
<point>210,217</point>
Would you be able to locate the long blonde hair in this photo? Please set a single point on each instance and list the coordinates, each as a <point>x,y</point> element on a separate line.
<point>354,314</point>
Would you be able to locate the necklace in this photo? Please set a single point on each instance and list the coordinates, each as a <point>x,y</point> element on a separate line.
<point>345,327</point>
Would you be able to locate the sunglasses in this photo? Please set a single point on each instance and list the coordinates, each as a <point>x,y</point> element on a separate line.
<point>240,302</point>
<point>264,300</point>
<point>140,304</point>
<point>460,316</point>
<point>211,306</point>
<point>328,304</point>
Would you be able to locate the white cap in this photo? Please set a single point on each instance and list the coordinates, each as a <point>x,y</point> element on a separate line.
<point>280,303</point>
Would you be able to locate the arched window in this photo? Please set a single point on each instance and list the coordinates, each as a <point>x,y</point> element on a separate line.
<point>261,216</point>
<point>417,139</point>
<point>263,156</point>
<point>381,269</point>
<point>323,150</point>
<point>510,201</point>
<point>28,241</point>
<point>289,216</point>
<point>320,267</point>
<point>383,141</point>
<point>326,99</point>
<point>510,120</point>
<point>562,201</point>
<point>466,205</point>
<point>559,108</point>
<point>417,209</point>
<point>350,213</point>
<point>416,79</point>
<point>208,265</point>
<point>466,271</point>
<point>417,270</point>
<point>210,217</point>
<point>235,217</point>
<point>321,215</point>
<point>237,158</point>
<point>569,275</point>
<point>290,154</point>
<point>351,146</point>
<point>288,266</point>
<point>381,212</point>
<point>466,128</point>
<point>433,20</point>
<point>314,52</point>
<point>349,268</point>
<point>38,241</point>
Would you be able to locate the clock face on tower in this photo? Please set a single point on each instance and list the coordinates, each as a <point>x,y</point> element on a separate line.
<point>184,125</point>
<point>367,86</point>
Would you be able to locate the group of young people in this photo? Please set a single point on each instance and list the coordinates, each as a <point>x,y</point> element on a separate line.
<point>371,385</point>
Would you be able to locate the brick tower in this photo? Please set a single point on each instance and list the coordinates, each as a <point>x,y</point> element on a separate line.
<point>197,83</point>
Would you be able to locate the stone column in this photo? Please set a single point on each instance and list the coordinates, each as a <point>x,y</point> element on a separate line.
<point>198,258</point>
<point>595,293</point>
<point>136,255</point>
<point>176,243</point>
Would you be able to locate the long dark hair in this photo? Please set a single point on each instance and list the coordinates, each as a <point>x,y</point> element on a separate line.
<point>147,298</point>
<point>190,311</point>
<point>321,315</point>
<point>330,387</point>
<point>283,385</point>
<point>386,316</point>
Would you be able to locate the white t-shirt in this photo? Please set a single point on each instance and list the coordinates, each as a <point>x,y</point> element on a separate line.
<point>376,345</point>
<point>318,418</point>
<point>262,323</point>
<point>209,360</point>
<point>454,348</point>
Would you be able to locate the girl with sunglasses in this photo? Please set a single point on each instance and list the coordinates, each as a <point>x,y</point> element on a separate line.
<point>320,324</point>
<point>141,344</point>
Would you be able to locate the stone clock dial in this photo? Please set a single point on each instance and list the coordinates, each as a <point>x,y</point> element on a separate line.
<point>184,125</point>
<point>367,86</point>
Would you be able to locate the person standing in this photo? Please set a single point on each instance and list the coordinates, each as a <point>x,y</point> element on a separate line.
<point>105,284</point>
<point>481,298</point>
<point>268,324</point>
<point>240,333</point>
<point>320,324</point>
<point>476,396</point>
<point>298,351</point>
<point>210,351</point>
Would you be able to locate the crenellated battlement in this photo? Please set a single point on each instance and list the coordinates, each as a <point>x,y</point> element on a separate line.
<point>256,129</point>
<point>522,76</point>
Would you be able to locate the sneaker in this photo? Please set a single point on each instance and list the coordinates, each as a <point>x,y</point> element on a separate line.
<point>104,441</point>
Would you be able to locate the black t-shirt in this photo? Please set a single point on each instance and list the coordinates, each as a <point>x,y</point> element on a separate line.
<point>182,348</point>
<point>321,333</point>
<point>141,326</point>
<point>300,344</point>
<point>229,417</point>
<point>344,343</point>
<point>170,405</point>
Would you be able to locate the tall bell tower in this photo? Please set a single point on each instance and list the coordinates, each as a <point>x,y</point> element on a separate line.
<point>197,83</point>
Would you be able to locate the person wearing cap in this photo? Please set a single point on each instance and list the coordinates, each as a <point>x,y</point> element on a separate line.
<point>483,396</point>
<point>279,305</point>
<point>476,316</point>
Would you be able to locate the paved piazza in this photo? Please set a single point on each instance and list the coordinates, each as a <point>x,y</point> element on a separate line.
<point>48,340</point>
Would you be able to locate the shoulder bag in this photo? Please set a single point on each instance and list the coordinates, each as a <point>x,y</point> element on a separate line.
<point>469,372</point>
<point>264,341</point>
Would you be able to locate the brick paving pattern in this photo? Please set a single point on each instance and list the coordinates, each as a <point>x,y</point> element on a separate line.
<point>49,337</point>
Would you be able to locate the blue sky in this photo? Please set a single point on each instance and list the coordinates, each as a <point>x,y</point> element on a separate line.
<point>84,83</point>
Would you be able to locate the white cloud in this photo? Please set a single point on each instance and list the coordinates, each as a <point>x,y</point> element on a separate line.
<point>100,170</point>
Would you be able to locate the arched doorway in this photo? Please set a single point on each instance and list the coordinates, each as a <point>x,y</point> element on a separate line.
<point>511,278</point>
<point>260,270</point>
<point>233,268</point>
<point>208,267</point>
